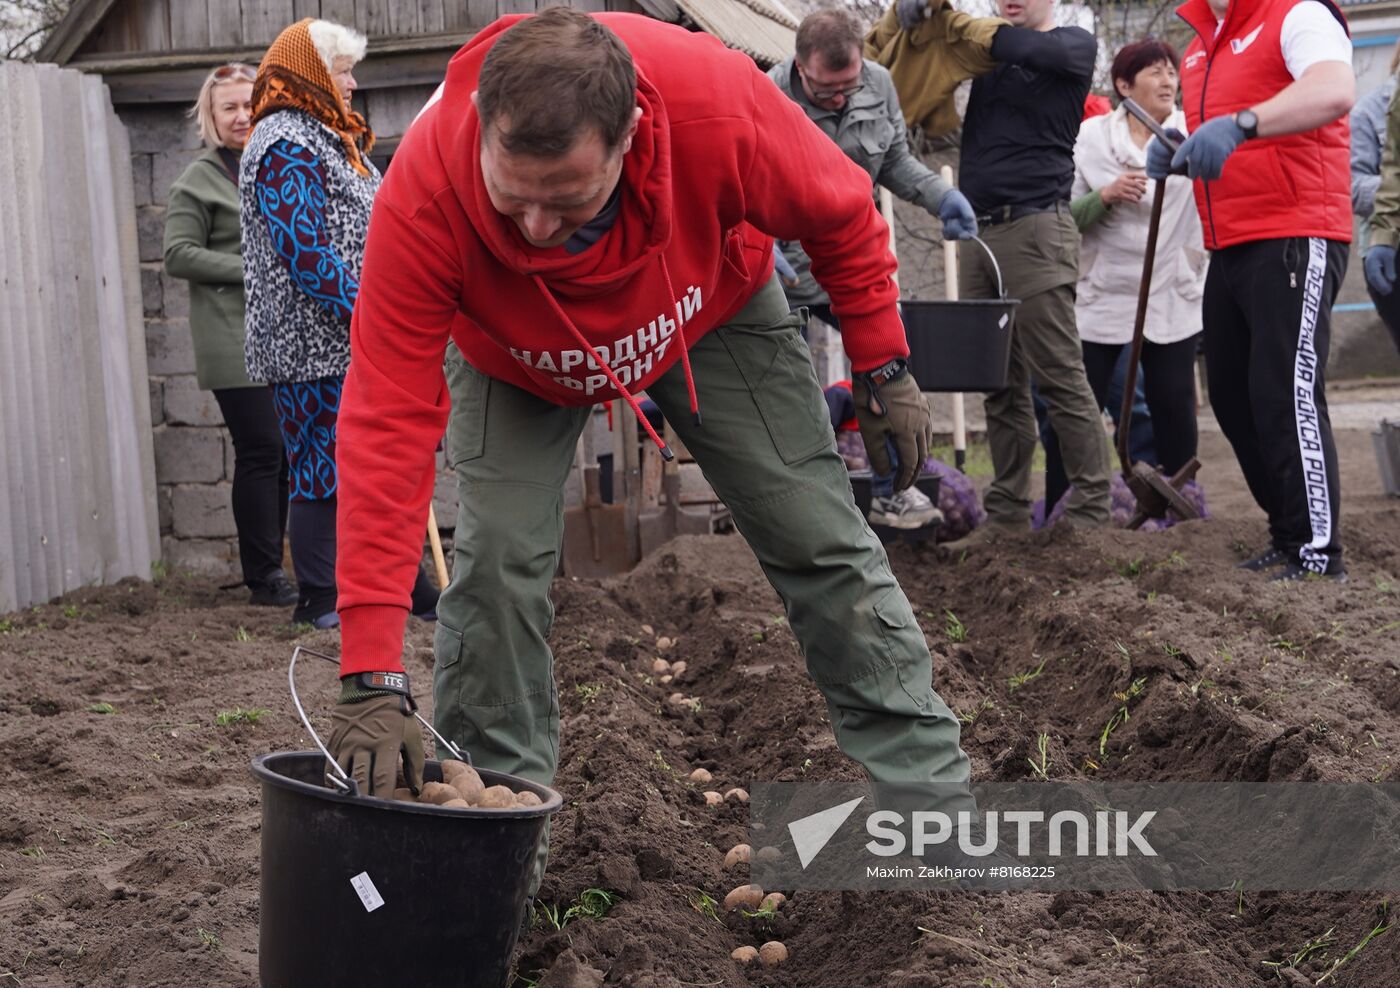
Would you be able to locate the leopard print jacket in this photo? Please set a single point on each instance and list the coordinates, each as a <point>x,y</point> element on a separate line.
<point>305,214</point>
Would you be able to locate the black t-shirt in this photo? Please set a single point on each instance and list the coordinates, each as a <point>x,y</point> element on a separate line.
<point>1023,118</point>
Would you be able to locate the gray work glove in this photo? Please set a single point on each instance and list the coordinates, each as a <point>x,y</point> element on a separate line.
<point>895,411</point>
<point>373,726</point>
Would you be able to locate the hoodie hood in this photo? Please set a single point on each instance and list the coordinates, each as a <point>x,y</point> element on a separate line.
<point>644,223</point>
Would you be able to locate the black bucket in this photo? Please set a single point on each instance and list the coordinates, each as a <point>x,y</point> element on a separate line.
<point>360,891</point>
<point>959,346</point>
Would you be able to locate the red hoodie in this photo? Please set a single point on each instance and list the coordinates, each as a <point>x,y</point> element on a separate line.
<point>721,163</point>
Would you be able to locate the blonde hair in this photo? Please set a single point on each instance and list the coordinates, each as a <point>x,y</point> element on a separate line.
<point>1395,58</point>
<point>203,110</point>
<point>334,41</point>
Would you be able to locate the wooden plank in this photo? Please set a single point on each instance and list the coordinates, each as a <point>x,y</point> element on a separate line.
<point>74,30</point>
<point>302,9</point>
<point>264,20</point>
<point>372,18</point>
<point>225,24</point>
<point>430,17</point>
<point>118,33</point>
<point>591,6</point>
<point>402,17</point>
<point>517,6</point>
<point>153,25</point>
<point>390,110</point>
<point>339,11</point>
<point>14,515</point>
<point>189,24</point>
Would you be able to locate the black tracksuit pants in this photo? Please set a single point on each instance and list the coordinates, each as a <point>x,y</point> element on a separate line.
<point>259,480</point>
<point>1267,312</point>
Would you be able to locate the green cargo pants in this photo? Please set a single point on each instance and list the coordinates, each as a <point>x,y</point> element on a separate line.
<point>767,447</point>
<point>1039,258</point>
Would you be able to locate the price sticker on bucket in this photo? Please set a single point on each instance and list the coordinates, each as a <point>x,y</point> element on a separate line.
<point>369,895</point>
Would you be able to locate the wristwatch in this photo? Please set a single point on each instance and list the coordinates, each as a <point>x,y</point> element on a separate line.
<point>887,372</point>
<point>1248,121</point>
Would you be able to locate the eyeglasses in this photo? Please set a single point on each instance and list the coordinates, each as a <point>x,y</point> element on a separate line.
<point>826,94</point>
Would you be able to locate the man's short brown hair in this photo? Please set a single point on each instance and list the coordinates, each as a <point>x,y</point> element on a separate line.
<point>835,34</point>
<point>551,77</point>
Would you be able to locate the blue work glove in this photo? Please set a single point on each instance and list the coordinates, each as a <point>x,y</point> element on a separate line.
<point>1204,153</point>
<point>955,211</point>
<point>1159,156</point>
<point>1379,263</point>
<point>786,271</point>
<point>910,13</point>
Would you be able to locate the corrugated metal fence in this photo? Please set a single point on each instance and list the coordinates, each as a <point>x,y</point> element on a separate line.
<point>77,476</point>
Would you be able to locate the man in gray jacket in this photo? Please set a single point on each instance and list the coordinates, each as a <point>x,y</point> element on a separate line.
<point>854,103</point>
<point>1368,140</point>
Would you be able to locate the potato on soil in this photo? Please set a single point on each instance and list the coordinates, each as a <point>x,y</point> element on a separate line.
<point>772,953</point>
<point>768,854</point>
<point>527,798</point>
<point>437,792</point>
<point>738,854</point>
<point>663,644</point>
<point>660,667</point>
<point>744,955</point>
<point>745,896</point>
<point>701,777</point>
<point>497,798</point>
<point>737,795</point>
<point>772,901</point>
<point>678,667</point>
<point>665,680</point>
<point>405,795</point>
<point>713,798</point>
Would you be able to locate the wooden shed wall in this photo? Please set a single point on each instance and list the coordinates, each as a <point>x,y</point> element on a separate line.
<point>150,26</point>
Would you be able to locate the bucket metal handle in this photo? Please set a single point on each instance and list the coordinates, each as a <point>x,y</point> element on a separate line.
<point>1001,288</point>
<point>340,780</point>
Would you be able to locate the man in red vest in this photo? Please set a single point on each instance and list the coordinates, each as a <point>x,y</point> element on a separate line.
<point>1266,86</point>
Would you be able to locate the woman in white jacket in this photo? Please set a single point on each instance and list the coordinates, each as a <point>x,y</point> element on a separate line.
<point>1112,205</point>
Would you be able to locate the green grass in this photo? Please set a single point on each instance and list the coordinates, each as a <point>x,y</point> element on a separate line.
<point>1120,716</point>
<point>101,708</point>
<point>240,716</point>
<point>706,905</point>
<point>956,630</point>
<point>587,692</point>
<point>1041,768</point>
<point>1015,682</point>
<point>979,458</point>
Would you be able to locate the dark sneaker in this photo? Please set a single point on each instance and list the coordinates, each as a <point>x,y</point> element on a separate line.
<point>1293,573</point>
<point>1267,560</point>
<point>909,509</point>
<point>275,591</point>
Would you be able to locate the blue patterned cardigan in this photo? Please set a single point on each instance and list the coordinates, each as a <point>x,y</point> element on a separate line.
<point>305,214</point>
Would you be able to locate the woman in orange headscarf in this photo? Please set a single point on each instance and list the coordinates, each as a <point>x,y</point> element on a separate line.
<point>308,186</point>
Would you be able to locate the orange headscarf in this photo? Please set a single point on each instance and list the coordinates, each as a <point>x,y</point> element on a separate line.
<point>293,76</point>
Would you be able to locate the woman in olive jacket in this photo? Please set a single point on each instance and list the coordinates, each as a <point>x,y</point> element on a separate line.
<point>202,246</point>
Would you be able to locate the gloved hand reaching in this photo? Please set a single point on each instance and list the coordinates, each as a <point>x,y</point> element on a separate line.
<point>894,411</point>
<point>1203,154</point>
<point>373,726</point>
<point>911,12</point>
<point>1159,156</point>
<point>959,222</point>
<point>1379,263</point>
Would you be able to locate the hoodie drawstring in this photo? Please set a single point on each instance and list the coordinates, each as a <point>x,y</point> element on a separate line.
<point>666,453</point>
<point>685,350</point>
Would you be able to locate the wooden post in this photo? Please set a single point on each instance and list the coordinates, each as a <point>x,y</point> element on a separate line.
<point>950,288</point>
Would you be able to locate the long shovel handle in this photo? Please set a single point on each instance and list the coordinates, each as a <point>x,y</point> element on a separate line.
<point>435,540</point>
<point>950,287</point>
<point>1139,324</point>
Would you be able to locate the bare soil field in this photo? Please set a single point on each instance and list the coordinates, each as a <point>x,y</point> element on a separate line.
<point>129,844</point>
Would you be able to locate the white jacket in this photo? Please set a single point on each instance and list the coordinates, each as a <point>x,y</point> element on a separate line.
<point>1110,260</point>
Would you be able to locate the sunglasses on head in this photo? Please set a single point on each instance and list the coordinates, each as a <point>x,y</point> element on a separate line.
<point>243,73</point>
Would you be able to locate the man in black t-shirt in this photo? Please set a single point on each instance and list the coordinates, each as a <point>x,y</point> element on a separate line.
<point>1017,167</point>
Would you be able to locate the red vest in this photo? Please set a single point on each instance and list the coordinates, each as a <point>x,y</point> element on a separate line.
<point>1293,186</point>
